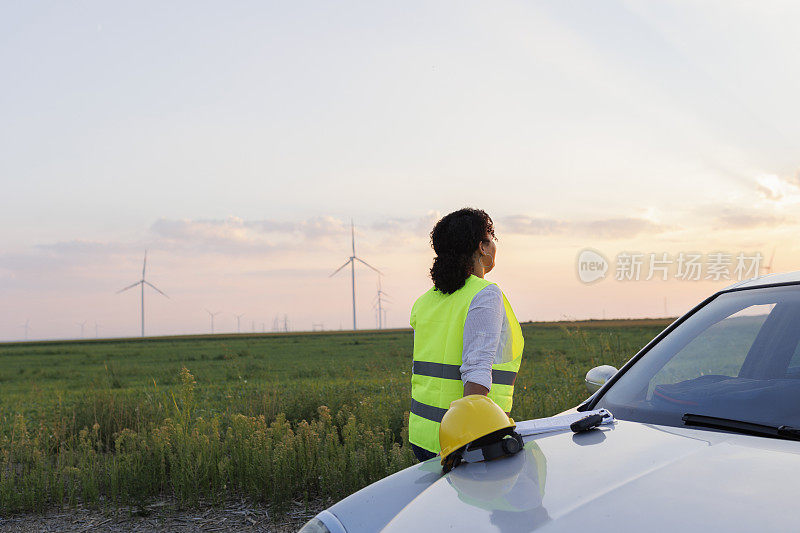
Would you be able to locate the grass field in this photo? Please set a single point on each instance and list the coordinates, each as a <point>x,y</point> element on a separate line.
<point>275,418</point>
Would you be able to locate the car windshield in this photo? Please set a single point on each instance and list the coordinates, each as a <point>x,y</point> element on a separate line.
<point>737,357</point>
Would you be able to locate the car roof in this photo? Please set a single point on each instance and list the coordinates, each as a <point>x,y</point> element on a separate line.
<point>769,279</point>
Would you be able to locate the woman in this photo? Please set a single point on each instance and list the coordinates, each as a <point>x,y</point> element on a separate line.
<point>466,337</point>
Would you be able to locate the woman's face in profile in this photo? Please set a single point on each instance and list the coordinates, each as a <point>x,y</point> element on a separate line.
<point>488,247</point>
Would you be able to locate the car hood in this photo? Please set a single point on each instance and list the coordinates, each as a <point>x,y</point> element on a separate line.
<point>624,477</point>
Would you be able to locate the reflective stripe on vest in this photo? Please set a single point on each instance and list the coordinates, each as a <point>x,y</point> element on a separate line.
<point>440,370</point>
<point>438,322</point>
<point>426,411</point>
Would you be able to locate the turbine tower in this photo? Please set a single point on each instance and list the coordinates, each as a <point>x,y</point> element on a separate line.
<point>378,304</point>
<point>26,327</point>
<point>143,282</point>
<point>212,315</point>
<point>382,296</point>
<point>352,262</point>
<point>239,323</point>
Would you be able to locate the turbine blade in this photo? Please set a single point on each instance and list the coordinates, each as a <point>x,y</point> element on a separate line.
<point>372,267</point>
<point>341,267</point>
<point>155,288</point>
<point>144,265</point>
<point>129,287</point>
<point>353,235</point>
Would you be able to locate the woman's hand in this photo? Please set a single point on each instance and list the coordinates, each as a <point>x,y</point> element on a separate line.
<point>474,388</point>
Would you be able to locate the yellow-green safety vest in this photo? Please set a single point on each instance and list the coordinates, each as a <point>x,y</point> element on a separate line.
<point>438,322</point>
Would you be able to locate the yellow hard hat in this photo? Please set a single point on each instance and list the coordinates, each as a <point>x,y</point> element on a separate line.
<point>468,419</point>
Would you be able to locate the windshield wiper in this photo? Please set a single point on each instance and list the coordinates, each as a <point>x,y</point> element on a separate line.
<point>740,426</point>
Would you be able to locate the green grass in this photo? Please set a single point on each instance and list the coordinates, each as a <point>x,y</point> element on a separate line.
<point>275,418</point>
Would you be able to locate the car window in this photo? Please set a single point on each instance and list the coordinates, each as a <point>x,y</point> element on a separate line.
<point>719,350</point>
<point>736,357</point>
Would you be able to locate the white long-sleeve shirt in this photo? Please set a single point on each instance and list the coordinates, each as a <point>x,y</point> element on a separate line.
<point>486,337</point>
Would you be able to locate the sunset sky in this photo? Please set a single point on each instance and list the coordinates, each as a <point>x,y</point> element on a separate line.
<point>236,140</point>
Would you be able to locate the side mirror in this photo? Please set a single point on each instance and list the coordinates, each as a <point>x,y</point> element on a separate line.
<point>597,377</point>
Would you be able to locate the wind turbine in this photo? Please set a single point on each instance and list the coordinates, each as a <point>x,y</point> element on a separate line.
<point>239,323</point>
<point>378,304</point>
<point>97,330</point>
<point>381,311</point>
<point>143,282</point>
<point>26,327</point>
<point>212,315</point>
<point>352,262</point>
<point>82,325</point>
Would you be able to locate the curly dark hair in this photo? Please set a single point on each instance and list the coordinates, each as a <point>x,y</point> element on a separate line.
<point>454,239</point>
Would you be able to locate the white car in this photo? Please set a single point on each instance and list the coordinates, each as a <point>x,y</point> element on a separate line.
<point>706,439</point>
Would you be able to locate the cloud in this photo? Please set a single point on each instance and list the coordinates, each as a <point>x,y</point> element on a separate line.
<point>63,262</point>
<point>229,237</point>
<point>412,226</point>
<point>82,247</point>
<point>608,228</point>
<point>783,189</point>
<point>405,231</point>
<point>58,265</point>
<point>284,273</point>
<point>225,234</point>
<point>234,234</point>
<point>318,228</point>
<point>768,193</point>
<point>738,219</point>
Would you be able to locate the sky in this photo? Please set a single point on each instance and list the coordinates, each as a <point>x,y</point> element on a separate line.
<point>236,141</point>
